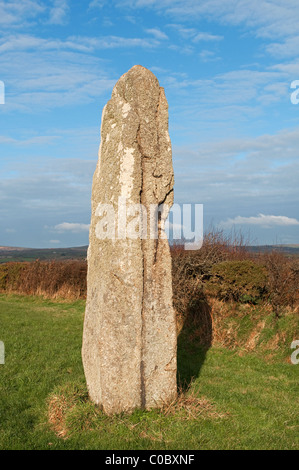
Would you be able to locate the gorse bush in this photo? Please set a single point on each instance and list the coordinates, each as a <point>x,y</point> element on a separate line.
<point>241,281</point>
<point>192,269</point>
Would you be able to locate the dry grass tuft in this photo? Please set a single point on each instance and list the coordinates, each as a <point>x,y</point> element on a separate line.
<point>58,406</point>
<point>252,341</point>
<point>188,406</point>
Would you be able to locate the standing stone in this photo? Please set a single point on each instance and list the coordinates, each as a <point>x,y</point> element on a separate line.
<point>129,339</point>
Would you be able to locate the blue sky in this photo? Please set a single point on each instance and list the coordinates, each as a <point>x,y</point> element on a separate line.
<point>227,68</point>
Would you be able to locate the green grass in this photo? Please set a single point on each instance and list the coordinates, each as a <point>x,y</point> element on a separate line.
<point>243,401</point>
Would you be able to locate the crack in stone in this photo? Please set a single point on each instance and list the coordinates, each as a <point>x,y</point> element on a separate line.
<point>142,372</point>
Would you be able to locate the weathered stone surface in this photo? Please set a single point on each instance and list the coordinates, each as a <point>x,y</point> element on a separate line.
<point>129,340</point>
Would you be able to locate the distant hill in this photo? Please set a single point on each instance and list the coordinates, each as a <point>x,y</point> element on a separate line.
<point>287,249</point>
<point>10,248</point>
<point>31,254</point>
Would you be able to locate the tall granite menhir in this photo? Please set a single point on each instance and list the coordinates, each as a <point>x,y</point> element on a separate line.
<point>129,340</point>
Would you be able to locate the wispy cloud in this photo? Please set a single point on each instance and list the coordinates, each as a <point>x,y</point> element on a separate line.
<point>284,49</point>
<point>37,140</point>
<point>16,14</point>
<point>52,72</point>
<point>268,19</point>
<point>265,221</point>
<point>207,37</point>
<point>24,42</point>
<point>185,50</point>
<point>262,18</point>
<point>71,227</point>
<point>237,94</point>
<point>184,31</point>
<point>53,79</point>
<point>194,34</point>
<point>157,33</point>
<point>241,176</point>
<point>96,4</point>
<point>58,12</point>
<point>208,56</point>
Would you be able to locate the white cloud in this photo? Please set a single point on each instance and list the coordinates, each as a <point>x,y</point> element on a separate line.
<point>182,30</point>
<point>249,175</point>
<point>55,242</point>
<point>96,4</point>
<point>207,37</point>
<point>48,189</point>
<point>208,56</point>
<point>109,42</point>
<point>261,151</point>
<point>53,79</point>
<point>16,13</point>
<point>289,68</point>
<point>194,34</point>
<point>26,42</point>
<point>265,19</point>
<point>71,227</point>
<point>6,140</point>
<point>157,33</point>
<point>185,50</point>
<point>266,221</point>
<point>287,48</point>
<point>58,12</point>
<point>37,140</point>
<point>234,95</point>
<point>49,73</point>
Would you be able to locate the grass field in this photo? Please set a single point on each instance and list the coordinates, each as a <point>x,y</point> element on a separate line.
<point>235,400</point>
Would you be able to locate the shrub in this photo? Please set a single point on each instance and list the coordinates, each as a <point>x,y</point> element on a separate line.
<point>197,264</point>
<point>3,276</point>
<point>241,281</point>
<point>192,269</point>
<point>12,275</point>
<point>283,280</point>
<point>49,278</point>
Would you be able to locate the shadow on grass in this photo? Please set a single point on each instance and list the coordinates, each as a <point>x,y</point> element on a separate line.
<point>194,340</point>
